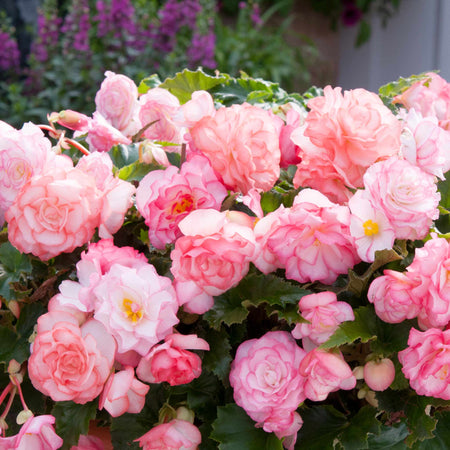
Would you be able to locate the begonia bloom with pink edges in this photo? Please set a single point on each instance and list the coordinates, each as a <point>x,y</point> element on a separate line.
<point>136,305</point>
<point>242,143</point>
<point>352,131</point>
<point>424,144</point>
<point>311,240</point>
<point>88,443</point>
<point>54,213</point>
<point>369,226</point>
<point>172,362</point>
<point>175,435</point>
<point>37,433</point>
<point>165,197</point>
<point>24,153</point>
<point>325,372</point>
<point>267,383</point>
<point>123,393</point>
<point>69,362</point>
<point>117,102</point>
<point>102,136</point>
<point>396,296</point>
<point>215,251</point>
<point>200,105</point>
<point>406,194</point>
<point>325,313</point>
<point>425,362</point>
<point>158,105</point>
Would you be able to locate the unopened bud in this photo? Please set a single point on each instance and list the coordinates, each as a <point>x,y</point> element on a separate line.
<point>14,367</point>
<point>14,307</point>
<point>379,374</point>
<point>72,120</point>
<point>186,414</point>
<point>23,416</point>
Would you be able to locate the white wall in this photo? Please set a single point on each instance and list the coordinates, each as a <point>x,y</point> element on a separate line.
<point>416,39</point>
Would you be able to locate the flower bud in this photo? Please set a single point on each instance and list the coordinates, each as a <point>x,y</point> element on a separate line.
<point>23,416</point>
<point>72,120</point>
<point>379,374</point>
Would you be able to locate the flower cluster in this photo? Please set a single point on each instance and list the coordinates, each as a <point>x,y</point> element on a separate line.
<point>202,261</point>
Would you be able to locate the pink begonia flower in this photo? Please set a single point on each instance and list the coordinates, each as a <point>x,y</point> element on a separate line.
<point>200,105</point>
<point>294,117</point>
<point>379,375</point>
<point>430,96</point>
<point>406,194</point>
<point>37,433</point>
<point>267,384</point>
<point>396,296</point>
<point>69,362</point>
<point>311,240</point>
<point>116,193</point>
<point>214,254</point>
<point>102,136</point>
<point>71,119</point>
<point>242,143</point>
<point>253,201</point>
<point>136,305</point>
<point>88,443</point>
<point>152,152</point>
<point>55,212</point>
<point>158,105</point>
<point>175,435</point>
<point>117,102</point>
<point>165,197</point>
<point>23,154</point>
<point>123,393</point>
<point>324,313</point>
<point>171,361</point>
<point>430,266</point>
<point>325,372</point>
<point>352,131</point>
<point>369,226</point>
<point>426,360</point>
<point>424,144</point>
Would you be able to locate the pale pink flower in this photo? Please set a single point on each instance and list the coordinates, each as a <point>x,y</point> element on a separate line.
<point>325,372</point>
<point>396,296</point>
<point>379,375</point>
<point>69,362</point>
<point>215,251</point>
<point>253,201</point>
<point>266,381</point>
<point>136,305</point>
<point>352,130</point>
<point>165,197</point>
<point>102,136</point>
<point>294,118</point>
<point>71,119</point>
<point>171,361</point>
<point>158,105</point>
<point>37,433</point>
<point>425,144</point>
<point>88,443</point>
<point>117,102</point>
<point>242,143</point>
<point>426,361</point>
<point>406,194</point>
<point>54,213</point>
<point>175,435</point>
<point>200,105</point>
<point>123,393</point>
<point>23,154</point>
<point>369,226</point>
<point>311,240</point>
<point>324,313</point>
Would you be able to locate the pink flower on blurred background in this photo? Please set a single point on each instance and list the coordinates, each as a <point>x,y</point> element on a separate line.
<point>175,435</point>
<point>267,383</point>
<point>123,393</point>
<point>165,197</point>
<point>426,361</point>
<point>406,194</point>
<point>54,213</point>
<point>242,143</point>
<point>69,362</point>
<point>117,102</point>
<point>325,313</point>
<point>171,362</point>
<point>102,136</point>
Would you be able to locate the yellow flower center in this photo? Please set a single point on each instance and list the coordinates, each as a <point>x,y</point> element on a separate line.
<point>182,205</point>
<point>132,310</point>
<point>370,228</point>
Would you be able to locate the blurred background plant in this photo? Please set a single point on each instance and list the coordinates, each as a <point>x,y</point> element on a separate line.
<point>75,41</point>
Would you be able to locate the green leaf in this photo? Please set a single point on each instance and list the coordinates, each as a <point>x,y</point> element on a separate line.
<point>420,424</point>
<point>363,33</point>
<point>13,265</point>
<point>183,84</point>
<point>72,420</point>
<point>218,358</point>
<point>441,435</point>
<point>227,309</point>
<point>148,83</point>
<point>124,155</point>
<point>8,338</point>
<point>389,437</point>
<point>321,426</point>
<point>136,171</point>
<point>126,428</point>
<point>234,430</point>
<point>355,436</point>
<point>388,91</point>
